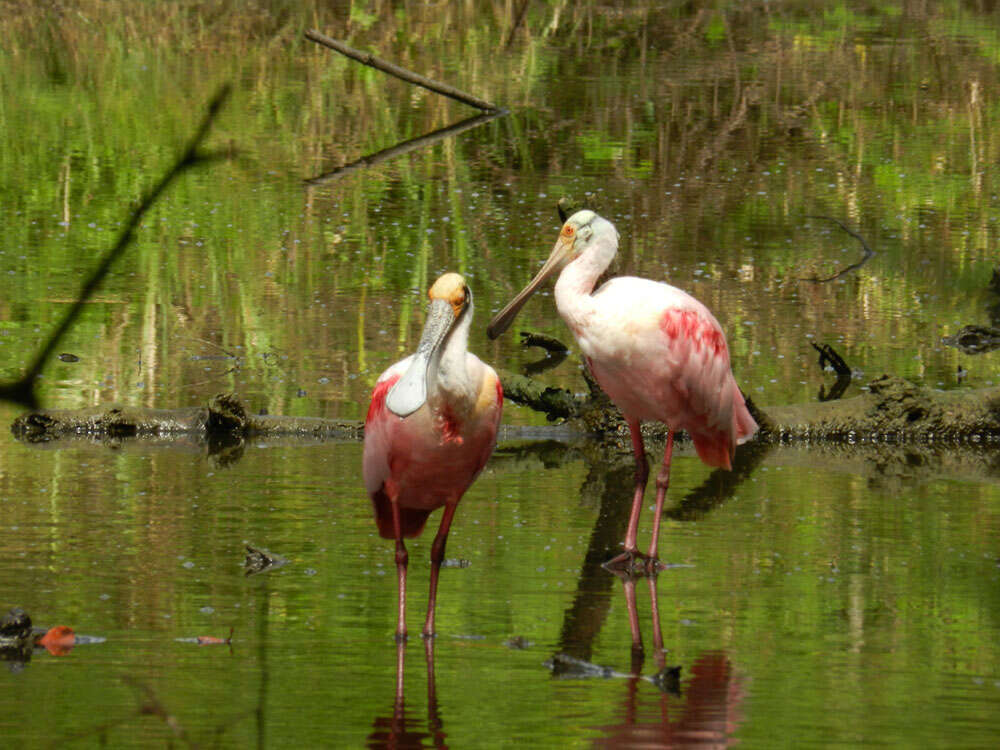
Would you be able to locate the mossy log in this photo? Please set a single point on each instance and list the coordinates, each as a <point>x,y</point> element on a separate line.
<point>892,410</point>
<point>225,416</point>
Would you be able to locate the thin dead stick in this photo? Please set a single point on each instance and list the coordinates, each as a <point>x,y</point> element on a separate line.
<point>869,253</point>
<point>402,148</point>
<point>22,391</point>
<point>371,60</point>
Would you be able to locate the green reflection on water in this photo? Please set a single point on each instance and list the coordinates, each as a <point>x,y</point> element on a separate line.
<point>829,596</point>
<point>709,176</point>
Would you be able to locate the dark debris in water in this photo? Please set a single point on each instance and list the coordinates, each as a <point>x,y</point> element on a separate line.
<point>210,640</point>
<point>518,642</point>
<point>19,638</point>
<point>566,667</point>
<point>974,339</point>
<point>261,561</point>
<point>828,357</point>
<point>15,627</point>
<point>668,680</point>
<point>555,352</point>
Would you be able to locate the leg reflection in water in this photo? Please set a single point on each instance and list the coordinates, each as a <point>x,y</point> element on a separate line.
<point>707,716</point>
<point>703,708</point>
<point>700,707</point>
<point>400,730</point>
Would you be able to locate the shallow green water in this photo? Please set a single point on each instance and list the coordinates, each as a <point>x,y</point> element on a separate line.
<point>843,613</point>
<point>827,600</point>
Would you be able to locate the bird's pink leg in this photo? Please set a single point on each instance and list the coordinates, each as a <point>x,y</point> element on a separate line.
<point>401,560</point>
<point>437,557</point>
<point>662,482</point>
<point>641,476</point>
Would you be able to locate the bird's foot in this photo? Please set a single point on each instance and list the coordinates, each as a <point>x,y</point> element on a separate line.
<point>634,564</point>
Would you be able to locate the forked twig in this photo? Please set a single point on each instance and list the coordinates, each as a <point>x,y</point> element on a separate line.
<point>868,251</point>
<point>22,391</point>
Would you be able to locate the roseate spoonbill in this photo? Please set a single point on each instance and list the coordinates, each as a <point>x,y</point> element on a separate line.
<point>431,426</point>
<point>655,350</point>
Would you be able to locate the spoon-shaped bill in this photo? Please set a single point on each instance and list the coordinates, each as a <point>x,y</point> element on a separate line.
<point>502,320</point>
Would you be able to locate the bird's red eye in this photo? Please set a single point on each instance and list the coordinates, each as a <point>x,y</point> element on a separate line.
<point>568,230</point>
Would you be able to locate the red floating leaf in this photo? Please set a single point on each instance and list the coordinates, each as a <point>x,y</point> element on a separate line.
<point>58,641</point>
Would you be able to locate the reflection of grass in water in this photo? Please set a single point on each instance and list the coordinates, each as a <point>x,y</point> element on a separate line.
<point>238,257</point>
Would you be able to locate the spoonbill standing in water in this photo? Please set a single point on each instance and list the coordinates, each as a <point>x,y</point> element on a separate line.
<point>655,350</point>
<point>431,427</point>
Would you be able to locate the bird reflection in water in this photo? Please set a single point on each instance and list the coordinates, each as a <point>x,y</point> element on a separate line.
<point>711,709</point>
<point>400,730</point>
<point>707,717</point>
<point>700,708</point>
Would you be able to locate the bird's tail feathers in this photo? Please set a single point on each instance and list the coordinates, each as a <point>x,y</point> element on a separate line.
<point>411,520</point>
<point>715,449</point>
<point>744,425</point>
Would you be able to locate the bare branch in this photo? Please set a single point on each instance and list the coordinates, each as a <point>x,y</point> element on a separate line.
<point>366,58</point>
<point>22,391</point>
<point>868,252</point>
<point>827,354</point>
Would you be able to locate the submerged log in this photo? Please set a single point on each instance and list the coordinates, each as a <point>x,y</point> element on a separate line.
<point>892,410</point>
<point>225,417</point>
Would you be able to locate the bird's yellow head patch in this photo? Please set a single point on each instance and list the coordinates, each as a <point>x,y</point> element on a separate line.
<point>452,288</point>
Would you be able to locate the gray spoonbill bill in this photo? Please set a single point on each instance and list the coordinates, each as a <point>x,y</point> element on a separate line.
<point>654,349</point>
<point>431,427</point>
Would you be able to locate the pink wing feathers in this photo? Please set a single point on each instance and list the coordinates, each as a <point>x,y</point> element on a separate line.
<point>716,416</point>
<point>675,367</point>
<point>378,429</point>
<point>381,426</point>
